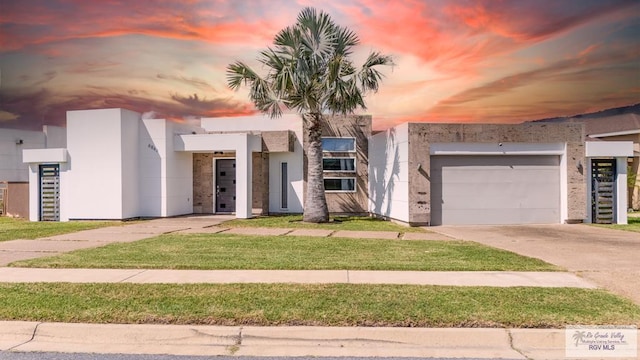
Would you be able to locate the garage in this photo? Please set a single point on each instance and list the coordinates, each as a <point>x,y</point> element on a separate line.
<point>495,189</point>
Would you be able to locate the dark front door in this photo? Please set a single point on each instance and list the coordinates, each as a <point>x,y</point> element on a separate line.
<point>225,185</point>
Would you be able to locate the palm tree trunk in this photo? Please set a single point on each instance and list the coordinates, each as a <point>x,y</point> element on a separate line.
<point>315,204</point>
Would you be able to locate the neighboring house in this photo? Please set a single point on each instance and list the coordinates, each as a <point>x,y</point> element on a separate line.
<point>493,174</point>
<point>117,165</point>
<point>14,174</point>
<point>620,124</point>
<point>624,127</point>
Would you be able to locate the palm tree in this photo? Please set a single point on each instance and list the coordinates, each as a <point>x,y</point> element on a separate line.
<point>309,70</point>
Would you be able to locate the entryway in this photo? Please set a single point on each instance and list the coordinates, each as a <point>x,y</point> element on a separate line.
<point>603,195</point>
<point>50,192</point>
<point>225,185</point>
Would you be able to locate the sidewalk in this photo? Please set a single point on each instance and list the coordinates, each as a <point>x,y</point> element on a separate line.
<point>283,341</point>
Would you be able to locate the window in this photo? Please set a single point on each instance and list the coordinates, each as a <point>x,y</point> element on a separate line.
<point>340,184</point>
<point>338,144</point>
<point>339,164</point>
<point>284,190</point>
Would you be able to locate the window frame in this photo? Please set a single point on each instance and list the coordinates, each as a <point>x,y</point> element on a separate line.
<point>340,151</point>
<point>355,164</point>
<point>355,184</point>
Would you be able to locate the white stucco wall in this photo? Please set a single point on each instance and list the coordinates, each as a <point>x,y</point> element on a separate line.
<point>293,159</point>
<point>56,136</point>
<point>129,155</point>
<point>389,173</point>
<point>95,183</point>
<point>166,175</point>
<point>12,167</point>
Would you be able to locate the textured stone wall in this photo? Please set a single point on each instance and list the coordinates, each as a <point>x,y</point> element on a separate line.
<point>358,127</point>
<point>421,135</point>
<point>203,183</point>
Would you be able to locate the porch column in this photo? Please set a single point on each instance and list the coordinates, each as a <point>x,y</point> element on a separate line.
<point>621,190</point>
<point>243,180</point>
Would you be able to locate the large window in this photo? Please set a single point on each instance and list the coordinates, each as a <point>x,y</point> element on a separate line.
<point>339,164</point>
<point>343,184</point>
<point>333,144</point>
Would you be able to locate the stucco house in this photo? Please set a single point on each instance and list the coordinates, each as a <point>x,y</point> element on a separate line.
<point>117,165</point>
<point>14,173</point>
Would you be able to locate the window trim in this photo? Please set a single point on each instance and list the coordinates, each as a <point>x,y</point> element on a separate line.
<point>355,184</point>
<point>355,164</point>
<point>355,146</point>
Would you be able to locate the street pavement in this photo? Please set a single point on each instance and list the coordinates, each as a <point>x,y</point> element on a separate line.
<point>597,248</point>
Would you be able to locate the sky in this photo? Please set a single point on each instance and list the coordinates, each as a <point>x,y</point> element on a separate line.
<point>493,61</point>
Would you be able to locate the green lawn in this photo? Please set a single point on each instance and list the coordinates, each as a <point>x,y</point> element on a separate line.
<point>633,225</point>
<point>220,251</point>
<point>317,305</point>
<point>357,223</point>
<point>12,229</point>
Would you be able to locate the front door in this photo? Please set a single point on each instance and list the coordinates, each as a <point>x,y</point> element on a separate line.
<point>50,192</point>
<point>225,185</point>
<point>603,194</point>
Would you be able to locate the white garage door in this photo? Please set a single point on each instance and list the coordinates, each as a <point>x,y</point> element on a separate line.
<point>495,189</point>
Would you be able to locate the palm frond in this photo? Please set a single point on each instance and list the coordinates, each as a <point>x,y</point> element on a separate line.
<point>238,74</point>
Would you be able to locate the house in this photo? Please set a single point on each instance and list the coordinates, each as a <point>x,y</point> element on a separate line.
<point>14,175</point>
<point>117,165</point>
<point>619,124</point>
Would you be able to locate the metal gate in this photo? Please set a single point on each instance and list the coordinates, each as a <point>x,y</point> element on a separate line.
<point>603,173</point>
<point>225,185</point>
<point>50,192</point>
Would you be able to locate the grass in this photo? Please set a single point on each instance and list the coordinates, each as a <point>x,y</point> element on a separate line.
<point>317,305</point>
<point>356,223</point>
<point>226,251</point>
<point>633,225</point>
<point>12,229</point>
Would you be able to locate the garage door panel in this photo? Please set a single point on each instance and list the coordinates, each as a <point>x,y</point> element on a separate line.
<point>501,216</point>
<point>455,202</point>
<point>509,190</point>
<point>481,161</point>
<point>516,174</point>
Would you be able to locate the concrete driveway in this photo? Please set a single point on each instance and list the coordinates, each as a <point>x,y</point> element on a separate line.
<point>610,258</point>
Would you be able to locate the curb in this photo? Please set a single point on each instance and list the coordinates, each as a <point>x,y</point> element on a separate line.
<point>287,341</point>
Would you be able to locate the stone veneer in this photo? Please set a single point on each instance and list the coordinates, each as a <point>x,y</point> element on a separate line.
<point>421,135</point>
<point>353,126</point>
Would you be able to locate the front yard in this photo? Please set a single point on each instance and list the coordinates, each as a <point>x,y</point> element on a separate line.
<point>221,251</point>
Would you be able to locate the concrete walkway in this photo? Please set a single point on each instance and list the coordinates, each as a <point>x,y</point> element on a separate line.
<point>610,258</point>
<point>141,276</point>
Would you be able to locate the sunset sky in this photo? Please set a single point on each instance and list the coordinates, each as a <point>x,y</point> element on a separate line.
<point>456,61</point>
